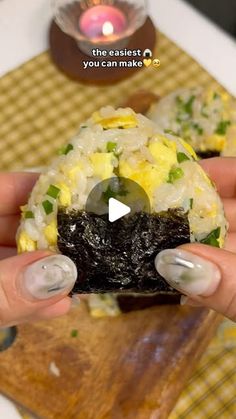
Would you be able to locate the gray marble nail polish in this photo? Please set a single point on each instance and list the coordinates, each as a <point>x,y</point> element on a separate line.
<point>50,276</point>
<point>188,272</point>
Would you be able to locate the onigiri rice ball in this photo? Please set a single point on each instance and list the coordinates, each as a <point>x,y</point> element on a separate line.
<point>185,206</point>
<point>204,118</point>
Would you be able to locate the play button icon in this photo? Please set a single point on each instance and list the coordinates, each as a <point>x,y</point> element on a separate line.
<point>117,210</point>
<point>117,197</point>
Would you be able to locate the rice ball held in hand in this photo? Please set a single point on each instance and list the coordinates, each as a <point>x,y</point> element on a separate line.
<point>119,256</point>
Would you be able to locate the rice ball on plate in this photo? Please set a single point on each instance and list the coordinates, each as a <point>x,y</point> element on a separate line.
<point>119,256</point>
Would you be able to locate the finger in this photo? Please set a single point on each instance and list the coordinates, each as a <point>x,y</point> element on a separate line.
<point>8,228</point>
<point>230,212</point>
<point>222,170</point>
<point>7,252</point>
<point>33,281</point>
<point>58,309</point>
<point>230,242</point>
<point>205,274</point>
<point>15,189</point>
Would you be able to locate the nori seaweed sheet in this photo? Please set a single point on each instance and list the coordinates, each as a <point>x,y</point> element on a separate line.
<point>119,256</point>
<point>208,154</point>
<point>134,302</point>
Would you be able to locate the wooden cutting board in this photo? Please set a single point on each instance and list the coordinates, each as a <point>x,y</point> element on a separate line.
<point>130,367</point>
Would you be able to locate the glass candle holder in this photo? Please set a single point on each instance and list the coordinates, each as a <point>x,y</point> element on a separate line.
<point>101,24</point>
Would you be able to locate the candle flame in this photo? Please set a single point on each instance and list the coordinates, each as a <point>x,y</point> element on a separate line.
<point>107,29</point>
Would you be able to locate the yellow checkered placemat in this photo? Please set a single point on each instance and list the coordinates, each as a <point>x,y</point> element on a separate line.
<point>211,391</point>
<point>40,109</point>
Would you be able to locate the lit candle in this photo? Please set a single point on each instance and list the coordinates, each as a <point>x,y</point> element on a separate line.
<point>102,22</point>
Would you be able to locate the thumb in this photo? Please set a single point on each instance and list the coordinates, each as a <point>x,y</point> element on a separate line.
<point>207,275</point>
<point>31,282</point>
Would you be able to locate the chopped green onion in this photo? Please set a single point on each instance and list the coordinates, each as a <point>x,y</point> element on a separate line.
<point>188,106</point>
<point>185,110</point>
<point>213,238</point>
<point>66,149</point>
<point>180,115</point>
<point>191,203</point>
<point>203,111</point>
<point>28,214</point>
<point>109,193</point>
<point>182,157</point>
<point>222,127</point>
<point>175,174</point>
<point>123,192</point>
<point>198,128</point>
<point>185,127</point>
<point>216,96</point>
<point>179,101</point>
<point>111,147</point>
<point>53,191</point>
<point>83,126</point>
<point>48,207</point>
<point>169,131</point>
<point>74,333</point>
<point>69,148</point>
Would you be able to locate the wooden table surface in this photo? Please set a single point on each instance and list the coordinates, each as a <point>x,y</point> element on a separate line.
<point>131,366</point>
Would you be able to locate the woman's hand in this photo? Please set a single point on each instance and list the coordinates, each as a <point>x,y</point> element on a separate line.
<point>34,285</point>
<point>205,274</point>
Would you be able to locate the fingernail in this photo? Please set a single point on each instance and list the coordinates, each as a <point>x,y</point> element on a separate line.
<point>50,276</point>
<point>188,272</point>
<point>187,301</point>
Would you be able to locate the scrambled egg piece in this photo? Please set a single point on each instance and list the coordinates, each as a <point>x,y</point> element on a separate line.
<point>210,96</point>
<point>216,142</point>
<point>50,232</point>
<point>65,195</point>
<point>25,243</point>
<point>164,152</point>
<point>149,176</point>
<point>103,305</point>
<point>72,172</point>
<point>189,148</point>
<point>102,164</point>
<point>126,121</point>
